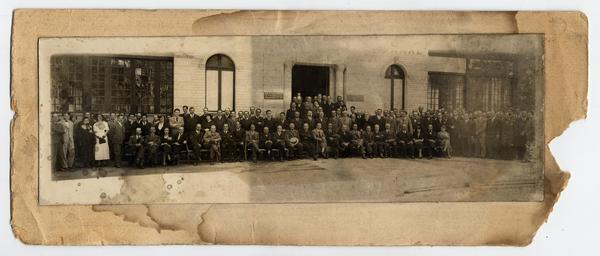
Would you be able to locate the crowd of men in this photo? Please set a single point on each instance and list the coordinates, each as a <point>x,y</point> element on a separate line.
<point>313,127</point>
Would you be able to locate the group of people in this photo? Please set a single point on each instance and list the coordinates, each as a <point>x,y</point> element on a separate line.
<point>313,127</point>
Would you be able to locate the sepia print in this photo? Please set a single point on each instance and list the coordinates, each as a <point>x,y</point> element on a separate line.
<point>291,119</point>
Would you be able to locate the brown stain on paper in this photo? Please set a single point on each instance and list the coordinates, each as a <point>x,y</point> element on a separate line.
<point>475,223</point>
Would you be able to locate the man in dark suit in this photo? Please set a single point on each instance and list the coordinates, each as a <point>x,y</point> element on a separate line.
<point>116,136</point>
<point>257,120</point>
<point>190,121</point>
<point>219,121</point>
<point>152,141</point>
<point>279,141</point>
<point>179,142</point>
<point>269,121</point>
<point>429,141</point>
<point>195,139</point>
<point>307,140</point>
<point>136,145</point>
<point>144,125</point>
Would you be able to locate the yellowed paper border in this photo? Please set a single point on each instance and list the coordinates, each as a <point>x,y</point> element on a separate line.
<point>307,224</point>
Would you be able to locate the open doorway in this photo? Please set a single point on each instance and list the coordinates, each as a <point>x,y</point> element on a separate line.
<point>309,80</point>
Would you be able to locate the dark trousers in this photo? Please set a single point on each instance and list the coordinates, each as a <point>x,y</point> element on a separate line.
<point>254,148</point>
<point>405,149</point>
<point>117,154</point>
<point>309,148</point>
<point>429,146</point>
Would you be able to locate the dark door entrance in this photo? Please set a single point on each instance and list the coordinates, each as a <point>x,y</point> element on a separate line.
<point>310,80</point>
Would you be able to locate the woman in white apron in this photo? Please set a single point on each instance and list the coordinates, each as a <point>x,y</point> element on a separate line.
<point>101,151</point>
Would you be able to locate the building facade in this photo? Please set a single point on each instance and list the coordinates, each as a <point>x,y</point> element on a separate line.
<point>431,71</point>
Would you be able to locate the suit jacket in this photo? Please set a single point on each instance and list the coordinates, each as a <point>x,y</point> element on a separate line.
<point>278,137</point>
<point>239,135</point>
<point>211,137</point>
<point>219,122</point>
<point>144,126</point>
<point>258,122</point>
<point>306,136</point>
<point>175,122</point>
<point>116,133</point>
<point>404,136</point>
<point>270,123</point>
<point>252,137</point>
<point>196,138</point>
<point>136,139</point>
<point>154,138</point>
<point>190,122</point>
<point>390,135</point>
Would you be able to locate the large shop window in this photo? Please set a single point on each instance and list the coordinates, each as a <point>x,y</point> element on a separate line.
<point>119,84</point>
<point>395,74</point>
<point>445,90</point>
<point>220,83</point>
<point>489,84</point>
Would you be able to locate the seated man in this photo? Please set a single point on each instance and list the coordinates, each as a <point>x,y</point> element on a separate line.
<point>195,142</point>
<point>278,139</point>
<point>333,140</point>
<point>179,142</point>
<point>379,141</point>
<point>166,140</point>
<point>345,140</point>
<point>307,141</point>
<point>405,142</point>
<point>320,140</point>
<point>390,141</point>
<point>252,141</point>
<point>292,140</point>
<point>152,144</point>
<point>265,141</point>
<point>357,141</point>
<point>418,142</point>
<point>227,142</point>
<point>239,138</point>
<point>369,141</point>
<point>212,141</point>
<point>429,142</point>
<point>136,145</point>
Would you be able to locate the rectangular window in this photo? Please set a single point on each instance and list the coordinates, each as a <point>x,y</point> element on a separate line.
<point>120,84</point>
<point>446,90</point>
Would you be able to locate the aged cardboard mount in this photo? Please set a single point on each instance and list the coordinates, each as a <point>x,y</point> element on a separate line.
<point>34,221</point>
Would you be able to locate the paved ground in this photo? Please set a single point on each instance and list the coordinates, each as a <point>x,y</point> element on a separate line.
<point>342,180</point>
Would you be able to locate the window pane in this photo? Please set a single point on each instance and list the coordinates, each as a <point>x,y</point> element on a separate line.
<point>398,93</point>
<point>227,89</point>
<point>212,89</point>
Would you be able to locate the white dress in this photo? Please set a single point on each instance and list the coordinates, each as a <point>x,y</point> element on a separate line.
<point>101,149</point>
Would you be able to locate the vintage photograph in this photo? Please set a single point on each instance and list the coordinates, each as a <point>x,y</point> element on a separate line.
<point>291,119</point>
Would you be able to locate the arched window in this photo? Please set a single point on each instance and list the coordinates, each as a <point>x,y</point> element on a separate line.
<point>395,74</point>
<point>220,83</point>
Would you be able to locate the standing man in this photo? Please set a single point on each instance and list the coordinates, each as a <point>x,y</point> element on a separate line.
<point>190,121</point>
<point>116,136</point>
<point>68,150</point>
<point>57,142</point>
<point>176,121</point>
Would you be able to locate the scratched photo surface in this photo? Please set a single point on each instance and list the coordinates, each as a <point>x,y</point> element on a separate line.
<point>291,119</point>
